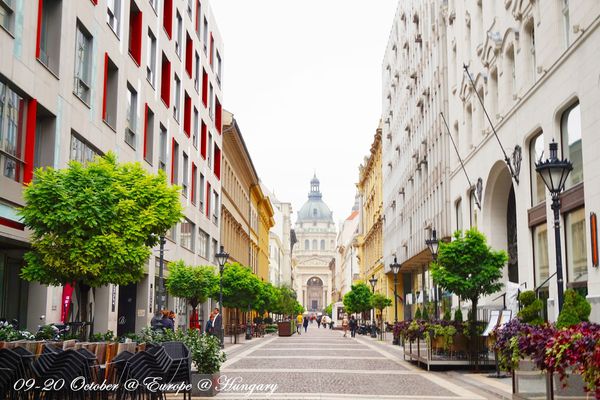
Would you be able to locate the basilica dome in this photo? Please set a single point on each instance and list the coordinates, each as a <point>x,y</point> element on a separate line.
<point>315,208</point>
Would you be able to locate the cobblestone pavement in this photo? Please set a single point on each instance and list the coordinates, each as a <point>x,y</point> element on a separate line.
<point>322,364</point>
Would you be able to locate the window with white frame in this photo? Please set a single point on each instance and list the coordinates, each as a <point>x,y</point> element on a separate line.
<point>196,122</point>
<point>162,155</point>
<point>176,98</point>
<point>540,254</point>
<point>197,73</point>
<point>536,153</point>
<point>7,14</point>
<point>215,207</point>
<point>205,35</point>
<point>81,150</point>
<point>83,63</point>
<point>184,181</point>
<point>201,187</point>
<point>576,247</point>
<point>571,143</point>
<point>202,244</point>
<point>186,238</point>
<point>131,114</point>
<point>49,35</point>
<point>151,59</point>
<point>12,133</point>
<point>113,14</point>
<point>219,67</point>
<point>179,36</point>
<point>211,102</point>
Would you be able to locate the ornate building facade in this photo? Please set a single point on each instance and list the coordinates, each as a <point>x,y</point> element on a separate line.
<point>316,235</point>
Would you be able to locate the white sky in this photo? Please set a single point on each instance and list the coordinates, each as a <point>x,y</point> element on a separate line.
<point>303,79</point>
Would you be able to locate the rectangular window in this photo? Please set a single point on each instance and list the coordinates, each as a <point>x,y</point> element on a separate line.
<point>174,162</point>
<point>81,150</point>
<point>203,139</point>
<point>459,216</point>
<point>203,244</point>
<point>111,92</point>
<point>198,16</point>
<point>113,15</point>
<point>7,15</point>
<point>208,194</point>
<point>135,33</point>
<point>194,185</point>
<point>201,183</point>
<point>205,35</point>
<point>540,253</point>
<point>168,17</point>
<point>189,8</point>
<point>219,68</point>
<point>210,152</point>
<point>179,37</point>
<point>187,114</point>
<point>83,63</point>
<point>212,49</point>
<point>151,59</point>
<point>49,25</point>
<point>211,102</point>
<point>566,22</point>
<point>215,250</point>
<point>197,72</point>
<point>131,123</point>
<point>536,152</point>
<point>12,133</point>
<point>195,128</point>
<point>189,54</point>
<point>171,234</point>
<point>187,234</point>
<point>576,247</point>
<point>176,98</point>
<point>217,168</point>
<point>218,115</point>
<point>185,173</point>
<point>165,81</point>
<point>148,135</point>
<point>204,87</point>
<point>154,4</point>
<point>215,207</point>
<point>162,155</point>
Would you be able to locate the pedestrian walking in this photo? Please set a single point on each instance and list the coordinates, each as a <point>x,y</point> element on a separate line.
<point>299,321</point>
<point>345,323</point>
<point>325,321</point>
<point>217,324</point>
<point>353,326</point>
<point>319,318</point>
<point>305,324</point>
<point>209,324</point>
<point>167,323</point>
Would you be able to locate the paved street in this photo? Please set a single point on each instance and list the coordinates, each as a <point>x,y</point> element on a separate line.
<point>322,364</point>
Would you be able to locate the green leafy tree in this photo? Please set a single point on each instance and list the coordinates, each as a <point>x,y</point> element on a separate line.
<point>358,299</point>
<point>195,284</point>
<point>575,309</point>
<point>298,308</point>
<point>469,268</point>
<point>94,224</point>
<point>267,298</point>
<point>287,303</point>
<point>458,316</point>
<point>531,308</point>
<point>329,309</point>
<point>380,302</point>
<point>241,288</point>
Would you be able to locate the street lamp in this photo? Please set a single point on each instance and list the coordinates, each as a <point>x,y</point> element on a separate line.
<point>373,282</point>
<point>554,173</point>
<point>395,267</point>
<point>221,257</point>
<point>434,244</point>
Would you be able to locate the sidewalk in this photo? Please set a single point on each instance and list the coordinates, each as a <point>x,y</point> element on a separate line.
<point>483,381</point>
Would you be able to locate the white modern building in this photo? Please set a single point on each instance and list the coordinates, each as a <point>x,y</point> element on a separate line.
<point>535,65</point>
<point>314,251</point>
<point>139,78</point>
<point>415,146</point>
<point>347,263</point>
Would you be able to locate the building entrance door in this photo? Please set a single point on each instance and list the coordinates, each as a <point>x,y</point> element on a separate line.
<point>126,319</point>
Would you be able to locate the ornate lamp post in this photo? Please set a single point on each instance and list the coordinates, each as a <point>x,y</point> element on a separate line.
<point>554,173</point>
<point>373,282</point>
<point>395,267</point>
<point>434,244</point>
<point>221,257</point>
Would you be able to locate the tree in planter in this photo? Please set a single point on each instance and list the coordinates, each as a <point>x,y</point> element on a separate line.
<point>530,312</point>
<point>358,299</point>
<point>195,284</point>
<point>380,302</point>
<point>287,303</point>
<point>267,298</point>
<point>575,309</point>
<point>469,268</point>
<point>94,224</point>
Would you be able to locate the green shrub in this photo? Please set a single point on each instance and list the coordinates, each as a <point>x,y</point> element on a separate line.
<point>109,336</point>
<point>418,313</point>
<point>575,309</point>
<point>447,315</point>
<point>425,313</point>
<point>458,317</point>
<point>531,308</point>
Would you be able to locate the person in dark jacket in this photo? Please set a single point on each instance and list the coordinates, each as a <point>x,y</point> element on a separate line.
<point>217,322</point>
<point>319,318</point>
<point>305,324</point>
<point>167,323</point>
<point>353,326</point>
<point>209,324</point>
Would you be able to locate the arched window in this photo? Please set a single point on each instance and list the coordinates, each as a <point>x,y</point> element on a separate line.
<point>314,245</point>
<point>322,244</point>
<point>571,144</point>
<point>536,152</point>
<point>306,245</point>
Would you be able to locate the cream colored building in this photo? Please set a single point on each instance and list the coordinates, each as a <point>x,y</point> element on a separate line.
<point>415,146</point>
<point>347,263</point>
<point>280,262</point>
<point>140,78</point>
<point>535,64</point>
<point>316,235</point>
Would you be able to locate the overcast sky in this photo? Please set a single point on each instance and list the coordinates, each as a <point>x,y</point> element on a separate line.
<point>303,79</point>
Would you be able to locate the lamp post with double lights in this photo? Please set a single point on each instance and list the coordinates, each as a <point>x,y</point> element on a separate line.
<point>434,244</point>
<point>221,257</point>
<point>395,267</point>
<point>373,282</point>
<point>554,173</point>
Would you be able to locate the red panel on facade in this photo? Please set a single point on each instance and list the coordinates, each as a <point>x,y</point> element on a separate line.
<point>104,86</point>
<point>173,145</point>
<point>218,116</point>
<point>189,54</point>
<point>135,34</point>
<point>204,88</point>
<point>168,17</point>
<point>30,140</point>
<point>194,173</point>
<point>187,114</point>
<point>165,81</point>
<point>217,167</point>
<point>95,2</point>
<point>39,28</point>
<point>203,139</point>
<point>12,224</point>
<point>145,129</point>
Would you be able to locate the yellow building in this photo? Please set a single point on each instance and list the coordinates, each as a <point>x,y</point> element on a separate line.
<point>370,240</point>
<point>246,214</point>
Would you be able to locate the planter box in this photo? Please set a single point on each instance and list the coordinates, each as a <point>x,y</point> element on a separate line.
<point>205,385</point>
<point>285,328</point>
<point>531,383</point>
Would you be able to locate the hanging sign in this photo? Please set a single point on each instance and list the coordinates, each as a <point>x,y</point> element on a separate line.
<point>594,238</point>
